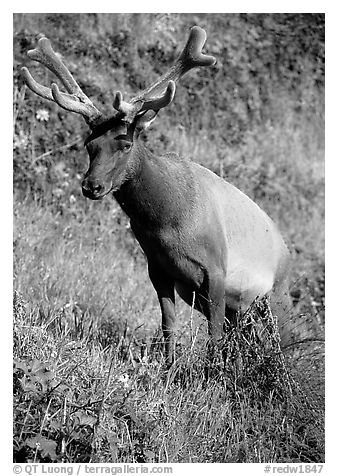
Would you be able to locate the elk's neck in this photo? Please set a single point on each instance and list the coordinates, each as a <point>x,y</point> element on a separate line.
<point>159,190</point>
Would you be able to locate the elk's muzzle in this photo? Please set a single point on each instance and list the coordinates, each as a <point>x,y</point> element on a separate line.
<point>93,189</point>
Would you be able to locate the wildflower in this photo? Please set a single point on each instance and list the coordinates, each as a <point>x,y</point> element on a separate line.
<point>42,115</point>
<point>20,140</point>
<point>124,380</point>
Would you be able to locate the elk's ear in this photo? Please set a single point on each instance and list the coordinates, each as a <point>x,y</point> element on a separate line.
<point>142,122</point>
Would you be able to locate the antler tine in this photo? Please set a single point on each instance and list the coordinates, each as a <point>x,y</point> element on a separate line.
<point>162,92</point>
<point>140,104</point>
<point>37,88</point>
<point>74,100</point>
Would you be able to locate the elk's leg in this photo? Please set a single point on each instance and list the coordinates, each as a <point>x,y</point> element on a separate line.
<point>212,304</point>
<point>164,286</point>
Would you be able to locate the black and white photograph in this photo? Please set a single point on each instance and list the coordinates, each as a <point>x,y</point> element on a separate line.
<point>168,227</point>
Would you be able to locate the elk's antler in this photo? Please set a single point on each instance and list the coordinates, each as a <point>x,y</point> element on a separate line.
<point>162,92</point>
<point>74,100</point>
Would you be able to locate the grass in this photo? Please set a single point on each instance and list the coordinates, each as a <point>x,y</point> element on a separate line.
<point>89,379</point>
<point>101,395</point>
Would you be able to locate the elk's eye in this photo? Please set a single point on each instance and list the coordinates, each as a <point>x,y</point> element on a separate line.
<point>125,145</point>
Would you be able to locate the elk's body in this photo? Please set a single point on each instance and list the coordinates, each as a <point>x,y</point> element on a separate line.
<point>201,235</point>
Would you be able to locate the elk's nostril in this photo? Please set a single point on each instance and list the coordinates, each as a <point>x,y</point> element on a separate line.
<point>91,189</point>
<point>97,188</point>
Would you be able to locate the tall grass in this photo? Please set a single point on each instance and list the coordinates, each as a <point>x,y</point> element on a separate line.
<point>101,395</point>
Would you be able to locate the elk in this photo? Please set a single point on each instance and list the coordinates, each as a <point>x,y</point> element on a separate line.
<point>202,236</point>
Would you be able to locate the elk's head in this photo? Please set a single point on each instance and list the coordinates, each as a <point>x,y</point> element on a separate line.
<point>113,152</point>
<point>111,145</point>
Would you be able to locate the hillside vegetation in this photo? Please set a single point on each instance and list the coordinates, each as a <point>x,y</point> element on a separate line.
<point>88,381</point>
